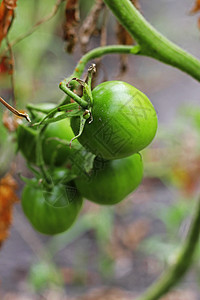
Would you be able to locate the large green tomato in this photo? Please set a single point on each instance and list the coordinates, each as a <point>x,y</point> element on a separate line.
<point>54,152</point>
<point>51,212</point>
<point>124,121</point>
<point>111,181</point>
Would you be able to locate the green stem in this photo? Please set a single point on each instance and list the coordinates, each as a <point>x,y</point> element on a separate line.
<point>75,97</point>
<point>153,43</point>
<point>40,160</point>
<point>174,274</point>
<point>98,52</point>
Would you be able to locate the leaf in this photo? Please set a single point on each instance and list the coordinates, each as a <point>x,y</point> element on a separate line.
<point>8,197</point>
<point>6,17</point>
<point>10,122</point>
<point>89,26</point>
<point>196,7</point>
<point>5,65</point>
<point>72,20</point>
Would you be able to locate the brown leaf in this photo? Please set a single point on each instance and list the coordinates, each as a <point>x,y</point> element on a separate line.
<point>199,23</point>
<point>89,26</point>
<point>8,187</point>
<point>6,65</point>
<point>196,7</point>
<point>6,17</point>
<point>70,26</point>
<point>136,3</point>
<point>123,36</point>
<point>10,122</point>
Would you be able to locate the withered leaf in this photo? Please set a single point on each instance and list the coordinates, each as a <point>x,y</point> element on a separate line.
<point>11,122</point>
<point>90,23</point>
<point>8,197</point>
<point>6,17</point>
<point>70,25</point>
<point>196,7</point>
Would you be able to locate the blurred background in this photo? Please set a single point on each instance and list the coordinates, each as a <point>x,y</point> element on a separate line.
<point>111,252</point>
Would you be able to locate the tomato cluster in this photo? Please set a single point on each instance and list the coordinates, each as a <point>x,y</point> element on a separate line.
<point>102,165</point>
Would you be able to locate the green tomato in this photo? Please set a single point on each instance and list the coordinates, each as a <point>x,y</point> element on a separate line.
<point>53,150</point>
<point>124,121</point>
<point>51,212</point>
<point>111,181</point>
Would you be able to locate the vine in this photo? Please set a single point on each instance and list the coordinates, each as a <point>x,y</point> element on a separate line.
<point>153,44</point>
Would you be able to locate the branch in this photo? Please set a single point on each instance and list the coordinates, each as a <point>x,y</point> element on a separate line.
<point>153,43</point>
<point>98,52</point>
<point>173,275</point>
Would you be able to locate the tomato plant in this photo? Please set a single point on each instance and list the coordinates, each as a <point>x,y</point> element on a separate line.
<point>51,211</point>
<point>55,148</point>
<point>111,181</point>
<point>123,122</point>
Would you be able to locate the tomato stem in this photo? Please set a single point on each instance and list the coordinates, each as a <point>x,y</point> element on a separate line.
<point>75,97</point>
<point>177,270</point>
<point>40,160</point>
<point>152,42</point>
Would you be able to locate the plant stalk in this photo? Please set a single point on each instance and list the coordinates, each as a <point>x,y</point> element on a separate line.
<point>153,43</point>
<point>176,271</point>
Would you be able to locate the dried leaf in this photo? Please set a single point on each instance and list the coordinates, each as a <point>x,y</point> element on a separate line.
<point>123,36</point>
<point>199,23</point>
<point>8,197</point>
<point>196,7</point>
<point>136,3</point>
<point>89,26</point>
<point>70,26</point>
<point>6,65</point>
<point>186,175</point>
<point>10,122</point>
<point>6,16</point>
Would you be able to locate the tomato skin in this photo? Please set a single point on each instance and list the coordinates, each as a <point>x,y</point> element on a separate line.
<point>124,121</point>
<point>111,181</point>
<point>46,218</point>
<point>53,151</point>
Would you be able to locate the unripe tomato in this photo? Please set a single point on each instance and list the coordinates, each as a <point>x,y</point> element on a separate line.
<point>54,211</point>
<point>111,181</point>
<point>53,151</point>
<point>124,121</point>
